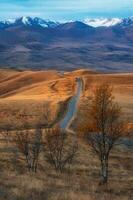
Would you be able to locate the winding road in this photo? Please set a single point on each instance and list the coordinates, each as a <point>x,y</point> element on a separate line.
<point>72,106</point>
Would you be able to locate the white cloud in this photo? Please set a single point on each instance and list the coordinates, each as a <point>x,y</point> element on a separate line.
<point>64,8</point>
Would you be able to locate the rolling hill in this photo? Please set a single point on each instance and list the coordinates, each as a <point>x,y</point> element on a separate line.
<point>27,91</point>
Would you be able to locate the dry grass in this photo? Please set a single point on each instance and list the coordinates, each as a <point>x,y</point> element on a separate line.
<point>122,85</point>
<point>26,91</point>
<point>80,182</point>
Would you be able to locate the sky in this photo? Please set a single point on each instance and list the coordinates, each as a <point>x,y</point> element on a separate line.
<point>63,10</point>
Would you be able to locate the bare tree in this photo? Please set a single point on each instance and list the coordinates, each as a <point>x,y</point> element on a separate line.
<point>22,141</point>
<point>105,126</point>
<point>36,148</point>
<point>59,151</point>
<point>29,145</point>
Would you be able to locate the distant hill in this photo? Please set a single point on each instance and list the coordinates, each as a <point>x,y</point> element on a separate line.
<point>100,44</point>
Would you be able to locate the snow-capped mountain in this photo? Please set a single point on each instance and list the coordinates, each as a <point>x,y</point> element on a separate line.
<point>38,21</point>
<point>106,22</point>
<point>4,24</point>
<point>39,43</point>
<point>127,22</point>
<point>29,21</point>
<point>98,22</point>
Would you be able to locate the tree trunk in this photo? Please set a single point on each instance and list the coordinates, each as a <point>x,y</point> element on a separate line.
<point>28,163</point>
<point>104,171</point>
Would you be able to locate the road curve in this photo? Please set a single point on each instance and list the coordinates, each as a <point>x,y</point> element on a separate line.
<point>72,106</point>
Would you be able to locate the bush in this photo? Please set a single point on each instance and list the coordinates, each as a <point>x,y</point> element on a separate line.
<point>59,149</point>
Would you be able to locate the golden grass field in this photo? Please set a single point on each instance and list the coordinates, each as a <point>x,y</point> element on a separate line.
<point>23,93</point>
<point>26,91</point>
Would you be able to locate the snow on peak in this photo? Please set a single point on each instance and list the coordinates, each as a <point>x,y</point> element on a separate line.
<point>10,21</point>
<point>25,20</point>
<point>40,22</point>
<point>106,22</point>
<point>96,22</point>
<point>30,21</point>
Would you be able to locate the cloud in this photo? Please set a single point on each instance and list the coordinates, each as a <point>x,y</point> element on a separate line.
<point>65,9</point>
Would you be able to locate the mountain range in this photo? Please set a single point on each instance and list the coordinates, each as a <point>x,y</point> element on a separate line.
<point>99,44</point>
<point>97,22</point>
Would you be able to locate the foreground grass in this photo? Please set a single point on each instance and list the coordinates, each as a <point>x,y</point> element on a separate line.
<point>80,182</point>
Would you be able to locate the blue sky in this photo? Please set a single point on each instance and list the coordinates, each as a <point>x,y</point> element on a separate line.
<point>61,10</point>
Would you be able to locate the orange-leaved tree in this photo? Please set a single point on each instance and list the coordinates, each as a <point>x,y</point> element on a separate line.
<point>105,126</point>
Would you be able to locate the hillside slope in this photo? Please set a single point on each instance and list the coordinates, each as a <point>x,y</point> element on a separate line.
<point>27,95</point>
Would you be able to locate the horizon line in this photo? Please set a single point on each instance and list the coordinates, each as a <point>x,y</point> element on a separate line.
<point>65,20</point>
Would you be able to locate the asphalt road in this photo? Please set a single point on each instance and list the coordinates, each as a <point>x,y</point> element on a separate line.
<point>72,106</point>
